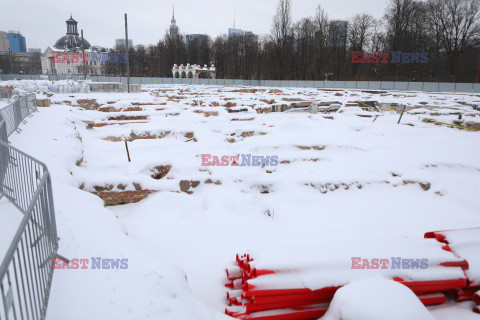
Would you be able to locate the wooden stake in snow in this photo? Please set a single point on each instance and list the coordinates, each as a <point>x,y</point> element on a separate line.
<point>128,153</point>
<point>401,115</point>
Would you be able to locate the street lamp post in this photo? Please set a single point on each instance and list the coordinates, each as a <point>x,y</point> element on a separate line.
<point>128,58</point>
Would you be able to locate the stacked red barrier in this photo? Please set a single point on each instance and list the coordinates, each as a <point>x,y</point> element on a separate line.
<point>465,244</point>
<point>282,296</point>
<point>476,298</point>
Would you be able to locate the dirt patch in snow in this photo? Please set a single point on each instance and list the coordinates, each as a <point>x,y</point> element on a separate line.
<point>124,117</point>
<point>113,109</point>
<point>311,147</point>
<point>207,113</point>
<point>104,124</point>
<point>88,104</point>
<point>149,135</point>
<point>328,187</point>
<point>210,181</point>
<point>187,185</point>
<point>160,172</point>
<point>124,197</point>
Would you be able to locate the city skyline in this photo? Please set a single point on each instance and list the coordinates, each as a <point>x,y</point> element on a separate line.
<point>148,21</point>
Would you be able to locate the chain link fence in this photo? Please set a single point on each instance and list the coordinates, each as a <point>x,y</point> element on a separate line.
<point>26,270</point>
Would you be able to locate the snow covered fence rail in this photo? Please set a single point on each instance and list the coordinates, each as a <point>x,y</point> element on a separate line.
<point>25,271</point>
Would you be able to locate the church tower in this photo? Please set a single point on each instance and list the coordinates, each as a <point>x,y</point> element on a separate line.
<point>72,26</point>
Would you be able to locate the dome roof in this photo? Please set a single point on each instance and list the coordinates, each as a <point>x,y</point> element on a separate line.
<point>71,41</point>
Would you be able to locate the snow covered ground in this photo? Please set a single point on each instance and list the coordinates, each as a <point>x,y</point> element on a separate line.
<point>344,176</point>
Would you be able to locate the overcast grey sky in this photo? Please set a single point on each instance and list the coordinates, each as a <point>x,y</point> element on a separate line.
<point>42,22</point>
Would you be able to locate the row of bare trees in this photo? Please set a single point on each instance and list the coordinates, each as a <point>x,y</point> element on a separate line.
<point>317,48</point>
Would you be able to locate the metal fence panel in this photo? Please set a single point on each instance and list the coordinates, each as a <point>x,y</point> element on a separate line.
<point>25,271</point>
<point>26,268</point>
<point>277,83</point>
<point>309,84</point>
<point>102,79</point>
<point>430,86</point>
<point>400,85</point>
<point>374,85</point>
<point>350,85</point>
<point>267,83</point>
<point>387,85</point>
<point>135,80</point>
<point>446,87</point>
<point>334,84</point>
<point>362,85</point>
<point>3,130</point>
<point>301,84</point>
<point>415,86</point>
<point>476,87</point>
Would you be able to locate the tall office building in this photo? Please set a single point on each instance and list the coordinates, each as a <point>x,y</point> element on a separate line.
<point>189,38</point>
<point>17,41</point>
<point>173,24</point>
<point>338,33</point>
<point>4,43</point>
<point>34,50</point>
<point>235,32</point>
<point>121,43</point>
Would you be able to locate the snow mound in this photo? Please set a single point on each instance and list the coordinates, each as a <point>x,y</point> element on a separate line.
<point>63,86</point>
<point>376,299</point>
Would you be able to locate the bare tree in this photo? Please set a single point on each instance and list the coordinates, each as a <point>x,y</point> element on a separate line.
<point>359,31</point>
<point>283,37</point>
<point>456,24</point>
<point>282,22</point>
<point>322,25</point>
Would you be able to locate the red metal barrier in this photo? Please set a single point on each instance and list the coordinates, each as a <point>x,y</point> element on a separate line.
<point>263,303</point>
<point>464,294</point>
<point>431,299</point>
<point>476,297</point>
<point>297,313</point>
